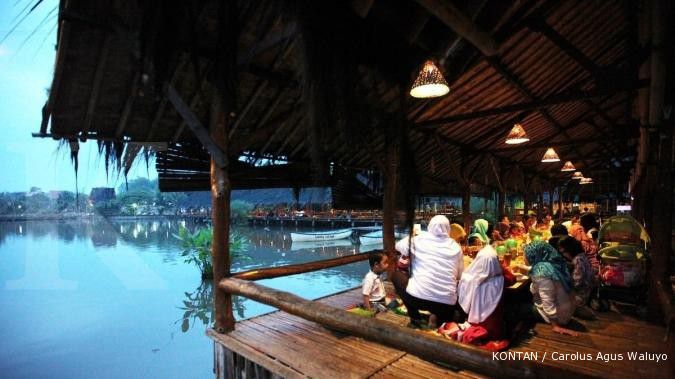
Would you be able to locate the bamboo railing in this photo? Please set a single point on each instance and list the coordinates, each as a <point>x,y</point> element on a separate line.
<point>276,272</point>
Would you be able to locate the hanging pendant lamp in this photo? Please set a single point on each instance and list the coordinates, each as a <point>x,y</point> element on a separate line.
<point>568,166</point>
<point>586,181</point>
<point>517,135</point>
<point>550,156</point>
<point>577,175</point>
<point>429,83</point>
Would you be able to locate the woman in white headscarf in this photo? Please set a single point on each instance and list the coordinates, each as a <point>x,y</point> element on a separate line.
<point>480,292</point>
<point>436,265</point>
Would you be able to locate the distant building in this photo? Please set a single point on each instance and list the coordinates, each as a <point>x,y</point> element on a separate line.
<point>54,195</point>
<point>100,194</point>
<point>34,191</point>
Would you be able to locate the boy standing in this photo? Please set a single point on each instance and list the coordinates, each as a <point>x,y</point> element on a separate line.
<point>373,288</point>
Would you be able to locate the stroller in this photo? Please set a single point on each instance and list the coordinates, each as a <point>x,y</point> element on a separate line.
<point>624,260</point>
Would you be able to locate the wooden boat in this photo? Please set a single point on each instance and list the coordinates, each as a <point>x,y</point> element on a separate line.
<point>376,237</point>
<point>328,235</point>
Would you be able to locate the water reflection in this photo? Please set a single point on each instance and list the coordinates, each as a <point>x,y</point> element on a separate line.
<point>198,306</point>
<point>68,285</point>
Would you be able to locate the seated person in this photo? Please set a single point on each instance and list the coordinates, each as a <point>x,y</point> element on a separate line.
<point>515,230</point>
<point>557,232</point>
<point>480,229</point>
<point>457,233</point>
<point>436,264</point>
<point>480,296</point>
<point>374,295</point>
<point>475,244</point>
<point>590,247</point>
<point>503,227</point>
<point>551,287</point>
<point>583,279</point>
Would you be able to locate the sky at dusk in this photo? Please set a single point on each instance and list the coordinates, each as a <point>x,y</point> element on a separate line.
<point>26,68</point>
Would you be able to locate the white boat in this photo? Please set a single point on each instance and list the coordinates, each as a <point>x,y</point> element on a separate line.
<point>311,245</point>
<point>328,235</point>
<point>371,247</point>
<point>376,237</point>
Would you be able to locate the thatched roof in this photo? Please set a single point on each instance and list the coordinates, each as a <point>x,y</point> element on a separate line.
<point>325,81</point>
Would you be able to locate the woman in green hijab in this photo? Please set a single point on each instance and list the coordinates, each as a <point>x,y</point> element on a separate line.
<point>480,228</point>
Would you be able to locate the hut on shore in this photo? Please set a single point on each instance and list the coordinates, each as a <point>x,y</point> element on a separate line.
<point>297,93</point>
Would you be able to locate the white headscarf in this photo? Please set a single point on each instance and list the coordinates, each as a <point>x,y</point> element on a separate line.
<point>439,227</point>
<point>480,288</point>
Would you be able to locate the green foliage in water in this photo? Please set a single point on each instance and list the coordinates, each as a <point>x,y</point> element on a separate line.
<point>197,248</point>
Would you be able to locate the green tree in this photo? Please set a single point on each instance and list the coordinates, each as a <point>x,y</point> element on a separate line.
<point>65,202</point>
<point>38,203</point>
<point>239,210</point>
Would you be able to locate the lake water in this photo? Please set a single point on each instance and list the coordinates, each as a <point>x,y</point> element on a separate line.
<point>106,299</point>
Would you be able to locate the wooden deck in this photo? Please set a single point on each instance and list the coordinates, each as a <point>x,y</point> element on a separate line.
<point>278,344</point>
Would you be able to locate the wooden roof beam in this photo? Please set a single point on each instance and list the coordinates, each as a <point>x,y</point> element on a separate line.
<point>475,7</point>
<point>529,146</point>
<point>540,26</point>
<point>261,86</point>
<point>518,84</point>
<point>560,98</point>
<point>461,24</point>
<point>159,112</point>
<point>193,103</point>
<point>246,58</point>
<point>192,121</point>
<point>362,7</point>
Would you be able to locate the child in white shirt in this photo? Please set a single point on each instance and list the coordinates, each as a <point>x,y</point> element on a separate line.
<point>374,295</point>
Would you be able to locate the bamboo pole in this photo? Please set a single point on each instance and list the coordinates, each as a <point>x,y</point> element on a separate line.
<point>427,347</point>
<point>275,272</point>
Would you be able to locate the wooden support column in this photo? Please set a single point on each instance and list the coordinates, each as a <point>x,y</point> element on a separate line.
<point>540,203</point>
<point>526,202</point>
<point>466,206</point>
<point>391,179</point>
<point>501,188</point>
<point>220,200</point>
<point>223,102</point>
<point>501,203</point>
<point>662,172</point>
<point>550,200</point>
<point>560,203</point>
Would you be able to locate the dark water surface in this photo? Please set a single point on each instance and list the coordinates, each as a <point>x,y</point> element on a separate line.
<point>106,299</point>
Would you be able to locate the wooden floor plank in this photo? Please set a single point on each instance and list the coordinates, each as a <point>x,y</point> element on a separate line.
<point>302,347</point>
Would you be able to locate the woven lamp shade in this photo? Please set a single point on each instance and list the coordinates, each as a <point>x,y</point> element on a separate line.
<point>429,83</point>
<point>517,135</point>
<point>550,156</point>
<point>586,181</point>
<point>568,166</point>
<point>577,175</point>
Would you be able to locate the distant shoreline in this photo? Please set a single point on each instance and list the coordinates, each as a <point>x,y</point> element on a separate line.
<point>75,216</point>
